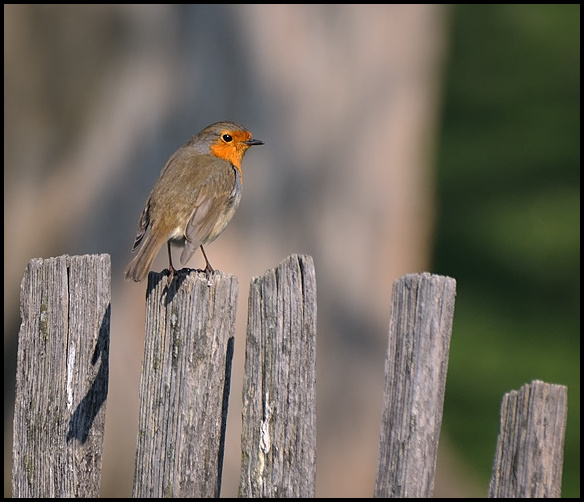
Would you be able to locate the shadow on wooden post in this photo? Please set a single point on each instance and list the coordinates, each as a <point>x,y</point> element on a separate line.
<point>62,377</point>
<point>420,326</point>
<point>184,387</point>
<point>278,440</point>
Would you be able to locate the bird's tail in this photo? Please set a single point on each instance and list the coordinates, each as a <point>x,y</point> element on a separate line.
<point>138,268</point>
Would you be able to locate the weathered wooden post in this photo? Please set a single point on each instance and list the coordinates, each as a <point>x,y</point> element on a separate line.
<point>278,440</point>
<point>62,377</point>
<point>530,449</point>
<point>422,309</point>
<point>184,388</point>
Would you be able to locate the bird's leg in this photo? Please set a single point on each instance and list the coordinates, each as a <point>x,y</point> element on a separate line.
<point>171,269</point>
<point>208,268</point>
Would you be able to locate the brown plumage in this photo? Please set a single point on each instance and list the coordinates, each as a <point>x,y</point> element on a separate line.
<point>194,197</point>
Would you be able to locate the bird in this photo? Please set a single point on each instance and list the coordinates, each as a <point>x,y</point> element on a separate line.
<point>194,198</point>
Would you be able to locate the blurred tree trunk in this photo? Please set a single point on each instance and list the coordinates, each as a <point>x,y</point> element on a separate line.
<point>346,98</point>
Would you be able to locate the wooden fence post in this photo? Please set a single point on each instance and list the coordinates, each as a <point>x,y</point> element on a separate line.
<point>422,308</point>
<point>530,448</point>
<point>184,387</point>
<point>62,377</point>
<point>278,440</point>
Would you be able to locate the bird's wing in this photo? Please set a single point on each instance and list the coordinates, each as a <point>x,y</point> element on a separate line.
<point>210,205</point>
<point>142,225</point>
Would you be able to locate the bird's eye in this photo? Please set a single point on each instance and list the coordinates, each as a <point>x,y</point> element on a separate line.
<point>227,138</point>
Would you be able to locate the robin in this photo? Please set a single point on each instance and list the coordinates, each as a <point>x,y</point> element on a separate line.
<point>194,197</point>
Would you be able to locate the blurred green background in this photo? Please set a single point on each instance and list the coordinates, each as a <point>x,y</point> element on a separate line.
<point>509,217</point>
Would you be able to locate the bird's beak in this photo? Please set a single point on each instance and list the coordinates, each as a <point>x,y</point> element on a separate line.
<point>253,142</point>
